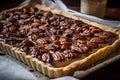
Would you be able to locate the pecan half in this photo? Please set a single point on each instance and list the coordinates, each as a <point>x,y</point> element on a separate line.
<point>24,16</point>
<point>34,9</point>
<point>105,38</point>
<point>12,28</point>
<point>41,41</point>
<point>44,50</point>
<point>46,57</point>
<point>35,51</point>
<point>59,32</point>
<point>53,30</point>
<point>24,31</point>
<point>78,23</point>
<point>86,33</point>
<point>63,23</point>
<point>69,54</point>
<point>97,34</point>
<point>17,39</point>
<point>26,43</point>
<point>33,37</point>
<point>81,41</point>
<point>26,49</point>
<point>54,23</point>
<point>84,47</point>
<point>35,24</point>
<point>16,17</point>
<point>64,41</point>
<point>52,47</point>
<point>9,24</point>
<point>47,13</point>
<point>54,37</point>
<point>78,36</point>
<point>78,29</point>
<point>57,56</point>
<point>69,31</point>
<point>97,40</point>
<point>44,20</point>
<point>76,48</point>
<point>43,27</point>
<point>22,21</point>
<point>92,45</point>
<point>35,30</point>
<point>63,47</point>
<point>109,34</point>
<point>36,21</point>
<point>57,42</point>
<point>9,19</point>
<point>18,12</point>
<point>54,16</point>
<point>96,31</point>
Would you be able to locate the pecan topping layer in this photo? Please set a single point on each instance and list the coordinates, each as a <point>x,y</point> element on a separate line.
<point>51,37</point>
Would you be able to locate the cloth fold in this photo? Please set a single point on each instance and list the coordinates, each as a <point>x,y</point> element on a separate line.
<point>10,70</point>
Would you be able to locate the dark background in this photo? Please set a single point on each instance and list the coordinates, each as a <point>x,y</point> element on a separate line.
<point>110,3</point>
<point>11,3</point>
<point>112,10</point>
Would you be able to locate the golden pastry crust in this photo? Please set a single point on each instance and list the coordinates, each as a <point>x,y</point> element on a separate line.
<point>71,68</point>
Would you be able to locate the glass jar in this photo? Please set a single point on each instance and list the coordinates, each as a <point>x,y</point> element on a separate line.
<point>94,7</point>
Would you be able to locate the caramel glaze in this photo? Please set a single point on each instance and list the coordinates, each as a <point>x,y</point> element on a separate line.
<point>54,39</point>
<point>68,61</point>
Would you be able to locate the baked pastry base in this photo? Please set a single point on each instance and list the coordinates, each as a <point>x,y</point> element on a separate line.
<point>71,68</point>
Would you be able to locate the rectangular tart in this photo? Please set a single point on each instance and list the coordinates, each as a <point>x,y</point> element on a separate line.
<point>53,42</point>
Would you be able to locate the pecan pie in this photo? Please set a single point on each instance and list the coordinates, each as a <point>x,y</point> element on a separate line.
<point>53,42</point>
